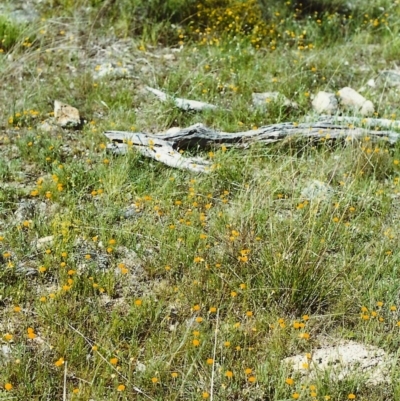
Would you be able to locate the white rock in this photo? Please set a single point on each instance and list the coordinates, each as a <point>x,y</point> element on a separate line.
<point>109,302</point>
<point>325,103</point>
<point>5,353</point>
<point>140,367</point>
<point>169,57</point>
<point>371,83</point>
<point>262,99</point>
<point>111,70</point>
<point>351,97</point>
<point>367,108</point>
<point>343,360</point>
<point>353,100</point>
<point>66,115</point>
<point>44,242</point>
<point>317,190</point>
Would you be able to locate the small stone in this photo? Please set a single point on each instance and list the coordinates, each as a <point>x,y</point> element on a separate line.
<point>317,191</point>
<point>130,212</point>
<point>350,98</point>
<point>325,103</point>
<point>140,367</point>
<point>169,57</point>
<point>48,126</point>
<point>44,242</point>
<point>264,98</point>
<point>371,83</point>
<point>111,70</point>
<point>5,353</point>
<point>26,268</point>
<point>87,254</point>
<point>25,211</point>
<point>131,260</point>
<point>109,302</point>
<point>65,115</point>
<point>27,271</point>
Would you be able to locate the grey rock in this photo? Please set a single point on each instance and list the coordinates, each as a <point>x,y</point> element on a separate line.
<point>25,210</point>
<point>98,257</point>
<point>130,212</point>
<point>390,78</point>
<point>48,209</point>
<point>130,259</point>
<point>112,303</point>
<point>112,71</point>
<point>317,190</point>
<point>24,15</point>
<point>48,125</point>
<point>26,269</point>
<point>20,12</point>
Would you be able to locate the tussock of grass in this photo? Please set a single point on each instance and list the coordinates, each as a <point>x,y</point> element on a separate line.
<point>12,34</point>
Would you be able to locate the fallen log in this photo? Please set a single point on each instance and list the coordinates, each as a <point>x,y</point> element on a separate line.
<point>155,148</point>
<point>164,147</point>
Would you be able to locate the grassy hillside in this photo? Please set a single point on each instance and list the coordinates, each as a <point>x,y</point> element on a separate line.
<point>124,279</point>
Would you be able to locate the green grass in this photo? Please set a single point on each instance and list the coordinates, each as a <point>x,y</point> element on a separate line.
<point>206,274</point>
<point>13,34</point>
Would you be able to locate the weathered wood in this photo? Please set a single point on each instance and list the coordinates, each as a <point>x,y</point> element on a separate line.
<point>184,104</point>
<point>165,145</point>
<point>369,122</point>
<point>203,137</point>
<point>155,148</point>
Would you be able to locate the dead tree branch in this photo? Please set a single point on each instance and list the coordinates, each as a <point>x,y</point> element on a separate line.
<point>164,147</point>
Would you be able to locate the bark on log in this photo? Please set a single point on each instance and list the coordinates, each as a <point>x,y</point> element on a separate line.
<point>164,146</point>
<point>155,148</point>
<point>369,122</point>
